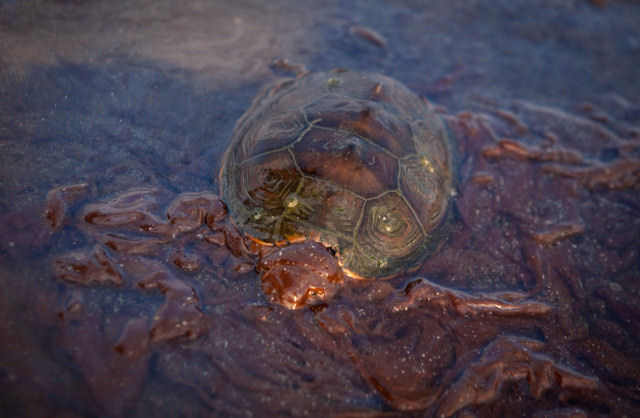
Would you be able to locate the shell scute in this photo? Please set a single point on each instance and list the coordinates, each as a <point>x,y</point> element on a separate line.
<point>277,131</point>
<point>347,160</point>
<point>261,187</point>
<point>326,213</point>
<point>388,233</point>
<point>364,118</point>
<point>425,188</point>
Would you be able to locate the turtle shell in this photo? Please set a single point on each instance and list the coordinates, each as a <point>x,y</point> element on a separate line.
<point>350,159</point>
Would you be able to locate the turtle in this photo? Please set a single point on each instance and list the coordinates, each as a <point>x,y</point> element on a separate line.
<point>352,160</point>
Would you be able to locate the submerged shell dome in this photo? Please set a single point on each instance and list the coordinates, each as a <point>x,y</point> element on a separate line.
<point>350,159</point>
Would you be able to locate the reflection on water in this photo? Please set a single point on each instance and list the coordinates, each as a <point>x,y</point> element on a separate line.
<point>127,289</point>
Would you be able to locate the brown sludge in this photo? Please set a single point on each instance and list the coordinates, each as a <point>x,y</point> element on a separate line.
<point>487,325</point>
<point>59,199</point>
<point>300,274</point>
